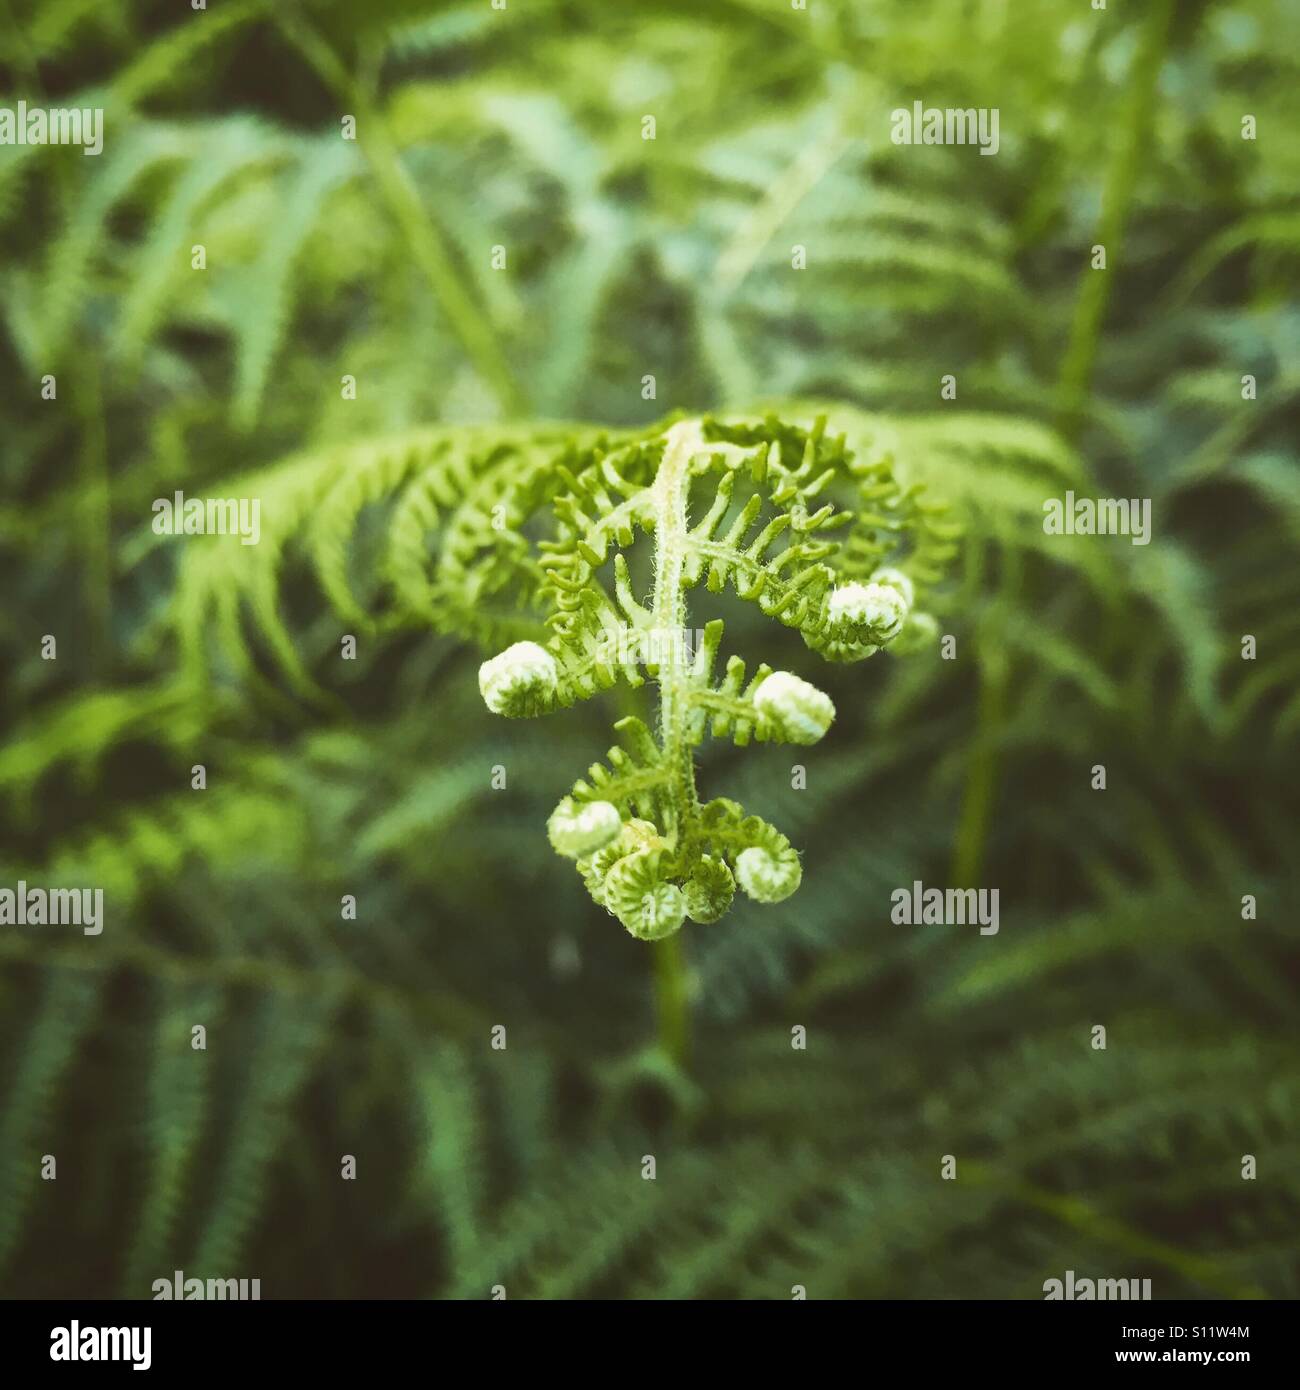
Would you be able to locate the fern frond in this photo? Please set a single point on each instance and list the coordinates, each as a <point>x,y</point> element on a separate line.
<point>320,501</point>
<point>235,149</point>
<point>727,708</point>
<point>65,1013</point>
<point>632,778</point>
<point>260,308</point>
<point>449,1175</point>
<point>82,730</point>
<point>288,1048</point>
<point>139,151</point>
<point>179,1100</point>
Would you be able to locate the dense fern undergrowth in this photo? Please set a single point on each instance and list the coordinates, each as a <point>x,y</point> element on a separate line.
<point>628,258</point>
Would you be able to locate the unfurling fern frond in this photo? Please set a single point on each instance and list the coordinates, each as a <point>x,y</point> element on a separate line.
<point>454,558</point>
<point>648,851</point>
<point>518,537</point>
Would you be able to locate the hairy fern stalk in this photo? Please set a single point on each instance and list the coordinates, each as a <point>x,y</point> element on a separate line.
<point>648,850</point>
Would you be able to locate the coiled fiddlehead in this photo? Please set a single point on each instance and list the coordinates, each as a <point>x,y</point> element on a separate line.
<point>648,850</point>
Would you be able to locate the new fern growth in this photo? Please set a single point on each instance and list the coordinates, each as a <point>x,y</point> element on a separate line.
<point>745,504</point>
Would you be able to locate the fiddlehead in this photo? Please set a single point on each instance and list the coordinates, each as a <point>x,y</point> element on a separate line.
<point>774,532</point>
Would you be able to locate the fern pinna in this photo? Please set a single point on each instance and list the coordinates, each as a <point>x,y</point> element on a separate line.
<point>737,504</point>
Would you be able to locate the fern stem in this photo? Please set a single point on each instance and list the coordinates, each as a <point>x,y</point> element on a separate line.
<point>672,1008</point>
<point>1079,1215</point>
<point>468,320</point>
<point>1121,179</point>
<point>982,773</point>
<point>743,252</point>
<point>672,484</point>
<point>97,523</point>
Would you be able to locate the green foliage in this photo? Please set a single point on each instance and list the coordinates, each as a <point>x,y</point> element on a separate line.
<point>647,849</point>
<point>485,534</point>
<point>445,508</point>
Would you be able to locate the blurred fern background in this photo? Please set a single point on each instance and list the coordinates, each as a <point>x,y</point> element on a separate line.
<point>627,257</point>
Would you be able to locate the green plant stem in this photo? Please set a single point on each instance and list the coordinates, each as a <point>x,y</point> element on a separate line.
<point>96,523</point>
<point>1121,179</point>
<point>468,320</point>
<point>672,1008</point>
<point>982,772</point>
<point>1094,1224</point>
<point>672,486</point>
